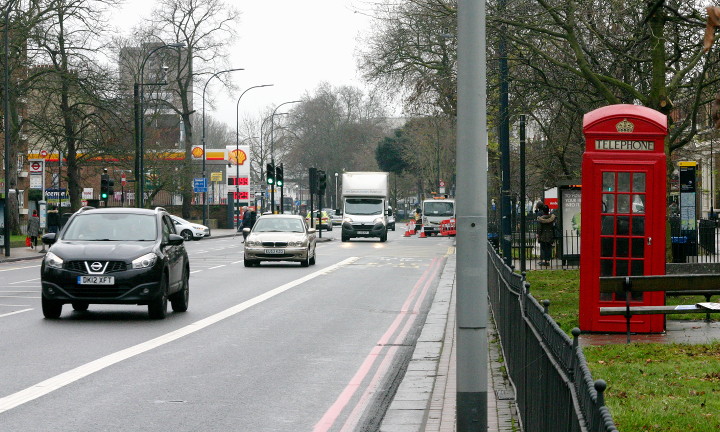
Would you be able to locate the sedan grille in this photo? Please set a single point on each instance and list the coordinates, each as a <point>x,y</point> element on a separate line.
<point>80,266</point>
<point>274,244</point>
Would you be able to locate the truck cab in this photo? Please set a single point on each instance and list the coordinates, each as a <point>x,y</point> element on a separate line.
<point>434,211</point>
<point>365,205</point>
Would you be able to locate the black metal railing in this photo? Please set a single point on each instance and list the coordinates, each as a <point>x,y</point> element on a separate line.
<point>554,387</point>
<point>698,245</point>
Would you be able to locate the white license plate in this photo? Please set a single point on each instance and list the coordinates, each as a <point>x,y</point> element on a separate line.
<point>364,232</point>
<point>274,251</point>
<point>96,280</point>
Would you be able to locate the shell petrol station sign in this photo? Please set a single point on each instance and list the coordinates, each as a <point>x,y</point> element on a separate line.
<point>623,212</point>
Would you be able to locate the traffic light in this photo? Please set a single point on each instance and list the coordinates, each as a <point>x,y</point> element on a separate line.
<point>279,175</point>
<point>111,187</point>
<point>322,182</point>
<point>104,186</point>
<point>313,180</point>
<point>270,169</point>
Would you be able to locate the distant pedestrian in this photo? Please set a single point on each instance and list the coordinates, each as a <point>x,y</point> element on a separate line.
<point>545,233</point>
<point>53,220</point>
<point>248,222</point>
<point>33,229</point>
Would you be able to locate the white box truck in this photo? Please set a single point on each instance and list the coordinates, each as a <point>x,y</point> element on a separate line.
<point>365,205</point>
<point>434,211</point>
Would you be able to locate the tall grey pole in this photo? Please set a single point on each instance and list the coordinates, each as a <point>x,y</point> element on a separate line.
<point>472,284</point>
<point>272,149</point>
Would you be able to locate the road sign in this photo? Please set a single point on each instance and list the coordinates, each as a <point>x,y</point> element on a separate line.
<point>43,153</point>
<point>36,166</point>
<point>216,176</point>
<point>200,184</point>
<point>123,179</point>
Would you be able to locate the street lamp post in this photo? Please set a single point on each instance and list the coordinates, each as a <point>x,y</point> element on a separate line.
<point>272,148</point>
<point>336,192</point>
<point>237,141</point>
<point>138,99</point>
<point>6,126</point>
<point>204,174</point>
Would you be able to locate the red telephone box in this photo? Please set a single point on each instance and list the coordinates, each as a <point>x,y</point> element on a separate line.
<point>623,212</point>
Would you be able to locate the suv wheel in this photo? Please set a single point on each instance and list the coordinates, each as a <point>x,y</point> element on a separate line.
<point>51,309</point>
<point>181,299</point>
<point>157,308</point>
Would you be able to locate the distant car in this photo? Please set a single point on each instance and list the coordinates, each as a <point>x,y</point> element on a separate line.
<point>115,256</point>
<point>190,230</point>
<point>325,222</point>
<point>280,237</point>
<point>335,216</point>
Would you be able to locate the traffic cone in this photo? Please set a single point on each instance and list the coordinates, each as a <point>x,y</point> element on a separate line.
<point>422,234</point>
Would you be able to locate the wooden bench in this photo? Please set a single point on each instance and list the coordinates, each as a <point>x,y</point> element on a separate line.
<point>706,285</point>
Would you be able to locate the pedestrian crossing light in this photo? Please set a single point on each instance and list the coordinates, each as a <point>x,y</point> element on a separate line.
<point>270,169</point>
<point>279,175</point>
<point>322,182</point>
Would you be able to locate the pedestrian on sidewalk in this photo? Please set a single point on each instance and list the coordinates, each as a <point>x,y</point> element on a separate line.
<point>53,220</point>
<point>545,233</point>
<point>248,222</point>
<point>33,229</point>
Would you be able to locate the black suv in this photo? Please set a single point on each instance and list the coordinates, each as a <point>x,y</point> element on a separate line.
<point>116,256</point>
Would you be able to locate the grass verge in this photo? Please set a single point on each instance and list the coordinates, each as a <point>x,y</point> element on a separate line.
<point>651,387</point>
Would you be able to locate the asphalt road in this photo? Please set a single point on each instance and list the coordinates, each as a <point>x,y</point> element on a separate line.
<point>271,348</point>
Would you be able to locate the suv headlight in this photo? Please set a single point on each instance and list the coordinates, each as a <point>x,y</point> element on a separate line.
<point>144,261</point>
<point>52,260</point>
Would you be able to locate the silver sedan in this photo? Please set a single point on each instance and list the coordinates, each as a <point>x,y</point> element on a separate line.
<point>280,237</point>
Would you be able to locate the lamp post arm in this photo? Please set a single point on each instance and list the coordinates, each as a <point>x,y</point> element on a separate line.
<point>237,110</point>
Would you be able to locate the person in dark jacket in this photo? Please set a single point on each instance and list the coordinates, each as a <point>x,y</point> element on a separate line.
<point>248,221</point>
<point>545,234</point>
<point>53,220</point>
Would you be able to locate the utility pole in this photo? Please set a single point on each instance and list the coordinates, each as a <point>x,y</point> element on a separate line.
<point>472,261</point>
<point>504,137</point>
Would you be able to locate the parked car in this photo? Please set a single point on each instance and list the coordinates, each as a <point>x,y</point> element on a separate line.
<point>115,256</point>
<point>280,237</point>
<point>325,223</point>
<point>190,230</point>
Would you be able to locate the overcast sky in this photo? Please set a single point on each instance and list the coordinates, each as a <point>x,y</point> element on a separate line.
<point>293,44</point>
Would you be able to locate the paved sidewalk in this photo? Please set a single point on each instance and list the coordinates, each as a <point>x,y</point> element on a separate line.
<point>425,400</point>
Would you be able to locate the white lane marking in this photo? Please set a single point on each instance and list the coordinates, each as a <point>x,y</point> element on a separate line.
<point>16,312</point>
<point>236,262</point>
<point>195,271</point>
<point>29,280</point>
<point>20,296</point>
<point>49,385</point>
<point>19,268</point>
<point>213,268</point>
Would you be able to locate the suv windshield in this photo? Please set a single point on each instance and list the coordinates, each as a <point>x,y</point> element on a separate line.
<point>363,206</point>
<point>112,226</point>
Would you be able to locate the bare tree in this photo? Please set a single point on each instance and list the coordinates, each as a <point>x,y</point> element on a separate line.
<point>206,29</point>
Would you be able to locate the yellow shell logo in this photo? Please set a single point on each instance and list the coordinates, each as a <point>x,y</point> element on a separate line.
<point>197,152</point>
<point>238,157</point>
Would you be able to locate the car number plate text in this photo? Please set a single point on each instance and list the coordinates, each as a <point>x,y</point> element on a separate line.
<point>96,280</point>
<point>363,232</point>
<point>274,251</point>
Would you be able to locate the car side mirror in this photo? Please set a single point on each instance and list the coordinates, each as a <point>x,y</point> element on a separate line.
<point>389,212</point>
<point>311,230</point>
<point>49,238</point>
<point>246,230</point>
<point>175,240</point>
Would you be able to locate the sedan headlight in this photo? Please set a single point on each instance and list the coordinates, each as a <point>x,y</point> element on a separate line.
<point>144,261</point>
<point>199,228</point>
<point>52,260</point>
<point>253,243</point>
<point>299,243</point>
